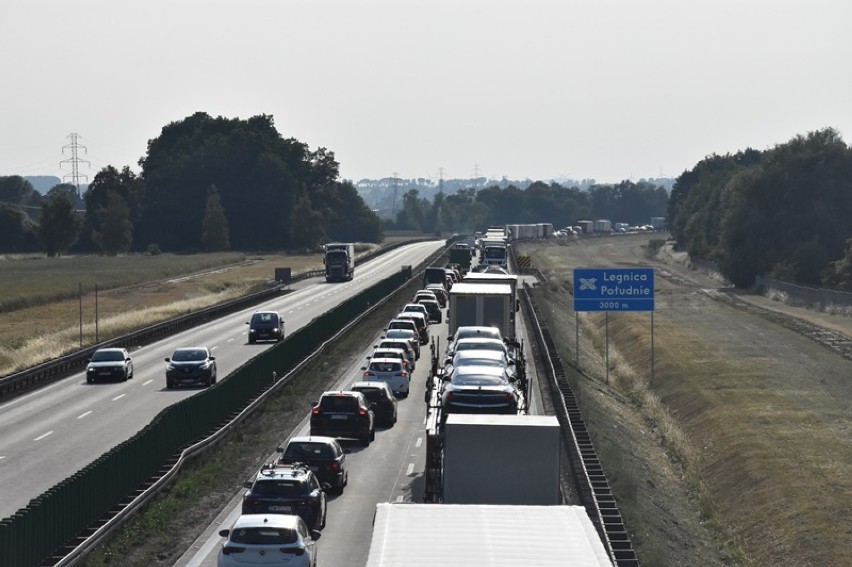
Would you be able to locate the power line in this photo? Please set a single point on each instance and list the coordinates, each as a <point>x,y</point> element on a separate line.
<point>74,160</point>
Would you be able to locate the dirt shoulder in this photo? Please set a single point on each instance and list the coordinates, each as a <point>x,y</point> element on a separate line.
<point>737,449</point>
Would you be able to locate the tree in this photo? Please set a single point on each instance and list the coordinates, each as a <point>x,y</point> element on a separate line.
<point>109,181</point>
<point>60,224</point>
<point>16,190</point>
<point>17,230</point>
<point>215,234</point>
<point>115,234</point>
<point>306,227</point>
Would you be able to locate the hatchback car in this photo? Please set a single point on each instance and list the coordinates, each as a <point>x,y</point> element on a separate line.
<point>397,353</point>
<point>422,324</point>
<point>391,372</point>
<point>323,455</point>
<point>268,539</point>
<point>265,326</point>
<point>402,344</point>
<point>381,400</point>
<point>191,365</point>
<point>109,364</point>
<point>344,414</point>
<point>400,331</point>
<point>433,310</point>
<point>480,389</point>
<point>288,490</point>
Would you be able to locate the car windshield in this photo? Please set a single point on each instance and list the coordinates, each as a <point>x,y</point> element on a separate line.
<point>107,356</point>
<point>264,318</point>
<point>339,403</point>
<point>189,355</point>
<point>278,487</point>
<point>264,535</point>
<point>308,450</point>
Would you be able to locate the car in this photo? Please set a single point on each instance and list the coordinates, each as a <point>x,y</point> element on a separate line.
<point>391,372</point>
<point>482,358</point>
<point>344,414</point>
<point>477,344</point>
<point>479,389</point>
<point>265,326</point>
<point>405,324</point>
<point>422,324</point>
<point>189,366</point>
<point>407,334</point>
<point>402,344</point>
<point>264,539</point>
<point>381,400</point>
<point>291,489</point>
<point>440,293</point>
<point>433,310</point>
<point>323,455</point>
<point>397,353</point>
<point>109,364</point>
<point>416,308</point>
<point>424,294</point>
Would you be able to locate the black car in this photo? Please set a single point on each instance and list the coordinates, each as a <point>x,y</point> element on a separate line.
<point>288,490</point>
<point>109,364</point>
<point>265,326</point>
<point>380,398</point>
<point>323,455</point>
<point>433,308</point>
<point>190,366</point>
<point>344,414</point>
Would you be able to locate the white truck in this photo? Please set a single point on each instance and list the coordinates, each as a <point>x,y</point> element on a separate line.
<point>428,535</point>
<point>487,459</point>
<point>339,261</point>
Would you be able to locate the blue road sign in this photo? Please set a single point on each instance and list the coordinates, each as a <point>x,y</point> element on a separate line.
<point>613,289</point>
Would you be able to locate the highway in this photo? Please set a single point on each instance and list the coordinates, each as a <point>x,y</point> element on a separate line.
<point>389,470</point>
<point>53,432</point>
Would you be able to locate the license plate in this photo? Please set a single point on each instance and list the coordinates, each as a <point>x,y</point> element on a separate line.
<point>104,373</point>
<point>339,417</point>
<point>280,508</point>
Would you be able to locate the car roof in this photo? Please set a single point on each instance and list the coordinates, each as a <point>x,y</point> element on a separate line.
<point>182,349</point>
<point>261,520</point>
<point>312,439</point>
<point>371,384</point>
<point>400,332</point>
<point>111,349</point>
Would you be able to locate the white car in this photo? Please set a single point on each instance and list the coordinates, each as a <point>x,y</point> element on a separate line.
<point>393,353</point>
<point>390,371</point>
<point>269,539</point>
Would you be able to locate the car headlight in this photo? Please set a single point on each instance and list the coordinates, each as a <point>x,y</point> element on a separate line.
<point>252,330</point>
<point>90,369</point>
<point>169,368</point>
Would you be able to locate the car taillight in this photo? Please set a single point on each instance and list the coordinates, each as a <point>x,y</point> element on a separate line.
<point>315,411</point>
<point>368,373</point>
<point>293,550</point>
<point>335,466</point>
<point>229,549</point>
<point>362,411</point>
<point>404,373</point>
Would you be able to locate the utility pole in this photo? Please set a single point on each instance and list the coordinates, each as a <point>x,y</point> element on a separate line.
<point>394,184</point>
<point>75,160</point>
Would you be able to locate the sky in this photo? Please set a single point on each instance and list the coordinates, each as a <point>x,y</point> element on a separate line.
<point>529,89</point>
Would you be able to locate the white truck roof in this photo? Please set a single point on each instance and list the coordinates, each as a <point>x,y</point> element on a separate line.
<point>484,535</point>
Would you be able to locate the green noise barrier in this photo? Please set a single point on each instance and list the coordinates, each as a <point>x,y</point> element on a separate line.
<point>54,519</point>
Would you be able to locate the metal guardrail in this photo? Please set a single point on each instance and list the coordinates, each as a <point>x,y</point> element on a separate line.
<point>46,373</point>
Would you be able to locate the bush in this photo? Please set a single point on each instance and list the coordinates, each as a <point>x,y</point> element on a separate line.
<point>153,250</point>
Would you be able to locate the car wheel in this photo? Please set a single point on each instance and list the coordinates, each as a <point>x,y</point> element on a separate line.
<point>373,434</point>
<point>169,385</point>
<point>90,380</point>
<point>251,341</point>
<point>365,441</point>
<point>126,376</point>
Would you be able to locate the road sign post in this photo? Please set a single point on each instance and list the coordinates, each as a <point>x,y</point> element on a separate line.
<point>614,289</point>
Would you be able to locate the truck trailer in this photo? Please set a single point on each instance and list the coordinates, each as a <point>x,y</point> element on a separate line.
<point>429,535</point>
<point>482,304</point>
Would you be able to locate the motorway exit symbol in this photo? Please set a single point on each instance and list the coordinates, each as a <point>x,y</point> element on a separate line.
<point>614,289</point>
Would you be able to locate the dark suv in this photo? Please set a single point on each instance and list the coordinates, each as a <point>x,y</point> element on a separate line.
<point>265,326</point>
<point>288,490</point>
<point>344,414</point>
<point>323,455</point>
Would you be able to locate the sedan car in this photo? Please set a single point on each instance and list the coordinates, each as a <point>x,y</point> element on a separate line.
<point>480,389</point>
<point>323,455</point>
<point>109,364</point>
<point>190,366</point>
<point>268,539</point>
<point>381,400</point>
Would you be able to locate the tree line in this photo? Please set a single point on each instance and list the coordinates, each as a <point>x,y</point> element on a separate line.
<point>470,209</point>
<point>785,212</point>
<point>206,184</point>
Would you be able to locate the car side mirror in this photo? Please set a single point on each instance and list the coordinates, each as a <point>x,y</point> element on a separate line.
<point>279,450</point>
<point>167,359</point>
<point>212,358</point>
<point>224,533</point>
<point>248,323</point>
<point>247,484</point>
<point>363,368</point>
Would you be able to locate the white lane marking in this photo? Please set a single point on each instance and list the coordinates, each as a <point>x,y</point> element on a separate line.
<point>147,382</point>
<point>2,457</point>
<point>82,415</point>
<point>410,469</point>
<point>419,442</point>
<point>214,348</point>
<point>40,437</point>
<point>118,397</point>
<point>232,340</point>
